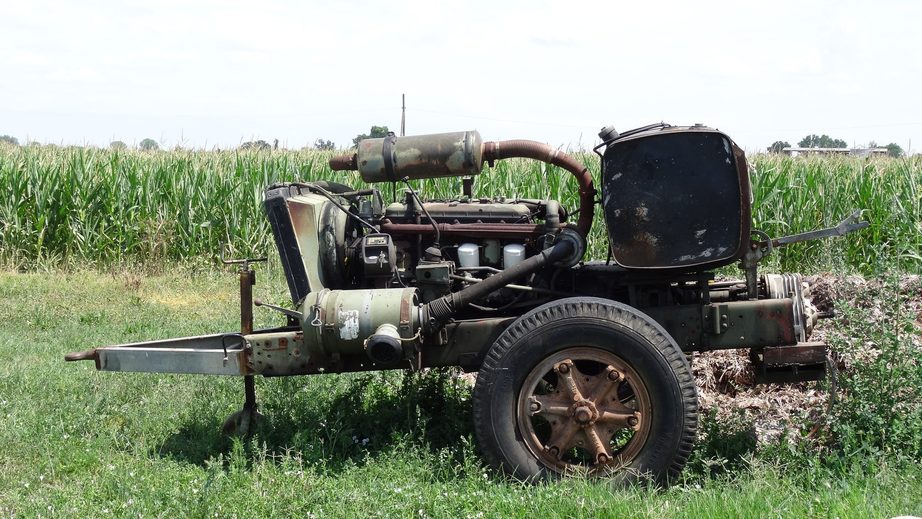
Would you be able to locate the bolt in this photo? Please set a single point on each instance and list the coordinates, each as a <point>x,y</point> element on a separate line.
<point>602,458</point>
<point>632,421</point>
<point>534,407</point>
<point>583,415</point>
<point>563,368</point>
<point>613,375</point>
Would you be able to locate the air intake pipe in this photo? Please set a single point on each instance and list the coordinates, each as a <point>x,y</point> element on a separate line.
<point>434,314</point>
<point>498,150</point>
<point>392,158</point>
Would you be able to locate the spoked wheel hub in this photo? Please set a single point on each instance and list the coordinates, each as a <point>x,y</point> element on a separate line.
<point>586,386</point>
<point>583,410</point>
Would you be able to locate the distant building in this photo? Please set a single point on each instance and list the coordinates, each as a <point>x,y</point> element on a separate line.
<point>853,152</point>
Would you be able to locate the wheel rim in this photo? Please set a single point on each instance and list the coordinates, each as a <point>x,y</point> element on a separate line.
<point>583,410</point>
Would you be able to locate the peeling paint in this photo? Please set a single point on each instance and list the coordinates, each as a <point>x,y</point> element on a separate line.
<point>349,324</point>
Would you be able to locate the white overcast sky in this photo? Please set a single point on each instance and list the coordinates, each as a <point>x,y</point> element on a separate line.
<point>216,73</point>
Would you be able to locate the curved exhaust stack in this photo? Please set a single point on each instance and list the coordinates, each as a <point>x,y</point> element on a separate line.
<point>392,158</point>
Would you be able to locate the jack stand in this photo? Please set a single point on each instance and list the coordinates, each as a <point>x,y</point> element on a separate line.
<point>244,421</point>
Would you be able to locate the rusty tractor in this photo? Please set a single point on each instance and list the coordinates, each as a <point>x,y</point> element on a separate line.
<point>582,365</point>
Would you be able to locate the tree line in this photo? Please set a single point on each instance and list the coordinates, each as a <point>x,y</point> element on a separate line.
<point>825,141</point>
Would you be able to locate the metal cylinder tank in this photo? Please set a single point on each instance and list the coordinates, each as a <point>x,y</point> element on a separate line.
<point>340,321</point>
<point>392,158</point>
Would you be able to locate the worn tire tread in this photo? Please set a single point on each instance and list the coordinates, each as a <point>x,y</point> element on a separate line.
<point>619,315</point>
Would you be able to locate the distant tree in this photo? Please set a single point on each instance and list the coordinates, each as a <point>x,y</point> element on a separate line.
<point>149,145</point>
<point>117,145</point>
<point>376,133</point>
<point>894,150</point>
<point>259,145</point>
<point>34,144</point>
<point>7,139</point>
<point>778,146</point>
<point>321,144</point>
<point>821,141</point>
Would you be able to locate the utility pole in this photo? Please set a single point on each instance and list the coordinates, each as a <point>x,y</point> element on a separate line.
<point>403,115</point>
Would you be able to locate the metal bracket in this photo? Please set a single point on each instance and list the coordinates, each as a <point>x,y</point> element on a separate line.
<point>849,224</point>
<point>760,249</point>
<point>286,311</point>
<point>243,262</point>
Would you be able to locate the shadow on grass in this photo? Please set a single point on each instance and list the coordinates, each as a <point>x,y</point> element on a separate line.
<point>337,420</point>
<point>724,444</point>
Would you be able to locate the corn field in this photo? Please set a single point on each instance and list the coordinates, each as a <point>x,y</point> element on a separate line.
<point>67,206</point>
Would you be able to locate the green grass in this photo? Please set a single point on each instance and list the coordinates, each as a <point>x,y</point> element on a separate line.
<point>71,206</point>
<point>77,442</point>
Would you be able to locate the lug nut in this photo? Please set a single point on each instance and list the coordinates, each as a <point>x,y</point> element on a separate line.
<point>632,421</point>
<point>563,368</point>
<point>614,375</point>
<point>534,407</point>
<point>603,458</point>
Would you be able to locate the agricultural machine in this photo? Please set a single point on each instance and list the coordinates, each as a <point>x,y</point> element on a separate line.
<point>582,365</point>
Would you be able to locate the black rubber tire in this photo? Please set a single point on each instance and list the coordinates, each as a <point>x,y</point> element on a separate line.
<point>596,323</point>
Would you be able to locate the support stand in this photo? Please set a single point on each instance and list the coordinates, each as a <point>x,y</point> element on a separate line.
<point>243,421</point>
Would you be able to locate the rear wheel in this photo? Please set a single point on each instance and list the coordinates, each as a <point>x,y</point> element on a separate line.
<point>586,386</point>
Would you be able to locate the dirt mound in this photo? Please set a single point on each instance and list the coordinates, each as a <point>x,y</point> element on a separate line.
<point>726,382</point>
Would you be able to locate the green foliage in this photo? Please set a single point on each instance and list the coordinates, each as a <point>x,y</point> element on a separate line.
<point>78,205</point>
<point>894,150</point>
<point>793,195</point>
<point>821,141</point>
<point>879,412</point>
<point>118,145</point>
<point>724,446</point>
<point>324,145</point>
<point>259,145</point>
<point>80,443</point>
<point>778,146</point>
<point>8,139</point>
<point>376,132</point>
<point>149,145</point>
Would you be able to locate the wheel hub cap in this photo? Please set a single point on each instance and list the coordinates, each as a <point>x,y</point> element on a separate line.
<point>583,409</point>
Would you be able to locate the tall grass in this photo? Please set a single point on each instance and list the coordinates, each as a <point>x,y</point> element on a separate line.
<point>69,205</point>
<point>793,195</point>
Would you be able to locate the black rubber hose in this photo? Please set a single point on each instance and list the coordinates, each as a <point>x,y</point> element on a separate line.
<point>551,220</point>
<point>436,312</point>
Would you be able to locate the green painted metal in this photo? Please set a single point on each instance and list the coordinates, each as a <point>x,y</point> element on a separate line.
<point>337,322</point>
<point>420,156</point>
<point>320,230</point>
<point>721,326</point>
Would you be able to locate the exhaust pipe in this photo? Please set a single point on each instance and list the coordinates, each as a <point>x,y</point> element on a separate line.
<point>458,154</point>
